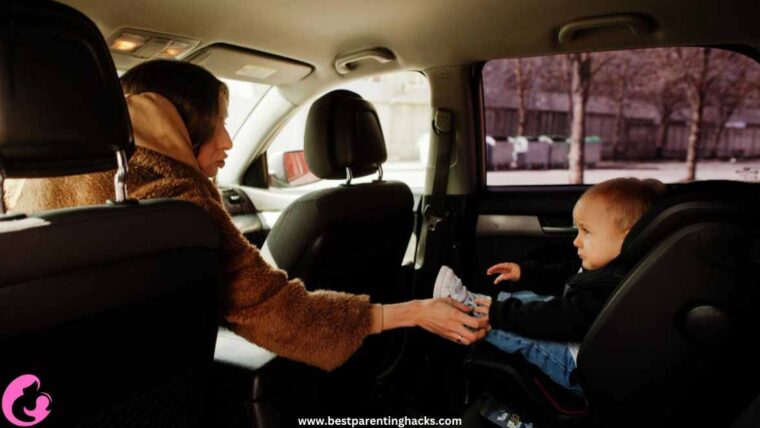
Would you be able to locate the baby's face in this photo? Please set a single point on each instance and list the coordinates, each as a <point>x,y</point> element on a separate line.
<point>599,239</point>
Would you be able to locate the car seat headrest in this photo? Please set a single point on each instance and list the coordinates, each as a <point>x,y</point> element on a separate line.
<point>62,110</point>
<point>687,203</point>
<point>343,131</point>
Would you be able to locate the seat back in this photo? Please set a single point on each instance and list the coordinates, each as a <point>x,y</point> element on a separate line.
<point>108,314</point>
<point>671,346</point>
<point>353,237</point>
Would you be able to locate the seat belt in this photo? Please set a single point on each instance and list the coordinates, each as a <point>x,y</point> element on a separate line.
<point>435,212</point>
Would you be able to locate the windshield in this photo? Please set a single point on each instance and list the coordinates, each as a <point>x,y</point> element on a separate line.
<point>243,98</point>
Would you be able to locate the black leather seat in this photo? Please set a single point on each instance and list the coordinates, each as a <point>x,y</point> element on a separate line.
<point>352,237</point>
<point>671,346</point>
<point>113,308</point>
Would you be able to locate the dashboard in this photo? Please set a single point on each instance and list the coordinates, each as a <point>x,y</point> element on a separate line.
<point>253,225</point>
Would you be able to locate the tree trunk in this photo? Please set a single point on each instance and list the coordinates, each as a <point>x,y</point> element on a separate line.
<point>724,115</point>
<point>520,98</point>
<point>617,136</point>
<point>581,78</point>
<point>661,138</point>
<point>716,140</point>
<point>569,111</point>
<point>698,93</point>
<point>568,68</point>
<point>695,132</point>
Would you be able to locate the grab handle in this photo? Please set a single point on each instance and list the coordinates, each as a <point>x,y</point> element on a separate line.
<point>346,63</point>
<point>635,23</point>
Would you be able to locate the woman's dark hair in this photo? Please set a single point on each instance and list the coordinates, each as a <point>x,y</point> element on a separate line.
<point>193,91</point>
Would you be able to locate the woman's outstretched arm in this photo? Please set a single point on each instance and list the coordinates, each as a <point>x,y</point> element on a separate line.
<point>322,328</point>
<point>442,316</point>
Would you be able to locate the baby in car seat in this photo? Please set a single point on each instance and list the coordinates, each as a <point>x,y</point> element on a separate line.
<point>545,316</point>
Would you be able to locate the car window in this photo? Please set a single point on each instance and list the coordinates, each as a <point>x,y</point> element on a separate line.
<point>675,114</point>
<point>243,98</point>
<point>402,101</point>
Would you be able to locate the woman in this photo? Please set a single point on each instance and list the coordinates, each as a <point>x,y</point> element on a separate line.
<point>178,112</point>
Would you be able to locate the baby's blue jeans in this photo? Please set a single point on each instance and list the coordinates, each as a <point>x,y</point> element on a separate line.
<point>553,358</point>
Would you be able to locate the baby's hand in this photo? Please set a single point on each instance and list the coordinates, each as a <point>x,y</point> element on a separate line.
<point>507,271</point>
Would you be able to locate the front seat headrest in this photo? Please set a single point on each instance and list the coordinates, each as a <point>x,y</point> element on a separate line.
<point>343,131</point>
<point>684,204</point>
<point>62,110</point>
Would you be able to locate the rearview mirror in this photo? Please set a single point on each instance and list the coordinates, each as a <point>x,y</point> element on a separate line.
<point>289,169</point>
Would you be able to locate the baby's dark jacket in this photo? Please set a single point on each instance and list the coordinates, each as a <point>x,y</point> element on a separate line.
<point>567,317</point>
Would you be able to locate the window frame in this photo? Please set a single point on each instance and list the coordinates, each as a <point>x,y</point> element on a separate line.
<point>479,110</point>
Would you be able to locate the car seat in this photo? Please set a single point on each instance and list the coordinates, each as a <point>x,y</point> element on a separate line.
<point>670,346</point>
<point>350,238</point>
<point>108,314</point>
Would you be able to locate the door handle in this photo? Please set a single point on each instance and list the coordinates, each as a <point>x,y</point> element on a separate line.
<point>520,225</point>
<point>562,230</point>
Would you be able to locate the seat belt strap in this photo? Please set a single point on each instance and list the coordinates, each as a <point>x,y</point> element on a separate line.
<point>435,213</point>
<point>443,126</point>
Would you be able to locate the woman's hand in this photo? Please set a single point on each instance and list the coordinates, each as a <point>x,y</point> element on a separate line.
<point>484,305</point>
<point>447,318</point>
<point>507,272</point>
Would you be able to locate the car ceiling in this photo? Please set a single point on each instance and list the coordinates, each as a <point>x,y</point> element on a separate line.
<point>422,33</point>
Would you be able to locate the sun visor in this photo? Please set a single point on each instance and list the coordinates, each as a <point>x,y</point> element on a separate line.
<point>236,63</point>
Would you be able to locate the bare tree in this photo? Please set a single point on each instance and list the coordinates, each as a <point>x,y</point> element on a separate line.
<point>520,82</point>
<point>663,88</point>
<point>667,100</point>
<point>550,75</point>
<point>619,81</point>
<point>530,75</point>
<point>693,65</point>
<point>519,77</point>
<point>728,93</point>
<point>620,100</point>
<point>568,74</point>
<point>582,72</point>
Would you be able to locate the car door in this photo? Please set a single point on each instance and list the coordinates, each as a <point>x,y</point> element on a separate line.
<point>637,122</point>
<point>517,224</point>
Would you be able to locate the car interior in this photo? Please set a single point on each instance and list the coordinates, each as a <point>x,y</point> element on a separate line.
<point>320,182</point>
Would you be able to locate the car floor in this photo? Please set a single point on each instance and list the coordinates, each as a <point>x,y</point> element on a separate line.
<point>430,381</point>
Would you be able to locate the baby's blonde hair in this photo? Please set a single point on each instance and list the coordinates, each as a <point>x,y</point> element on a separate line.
<point>627,198</point>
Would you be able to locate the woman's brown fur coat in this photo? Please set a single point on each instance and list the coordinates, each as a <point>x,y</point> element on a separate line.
<point>321,328</point>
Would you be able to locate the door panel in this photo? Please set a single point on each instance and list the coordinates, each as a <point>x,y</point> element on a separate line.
<point>527,223</point>
<point>523,225</point>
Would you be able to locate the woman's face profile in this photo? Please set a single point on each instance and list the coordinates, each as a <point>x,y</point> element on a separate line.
<point>213,152</point>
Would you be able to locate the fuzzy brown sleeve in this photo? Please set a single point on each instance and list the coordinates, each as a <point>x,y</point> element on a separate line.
<point>320,328</point>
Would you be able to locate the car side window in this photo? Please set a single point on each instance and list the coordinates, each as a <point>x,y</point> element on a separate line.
<point>402,101</point>
<point>674,114</point>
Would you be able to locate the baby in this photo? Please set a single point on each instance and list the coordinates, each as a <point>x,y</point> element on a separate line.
<point>546,323</point>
